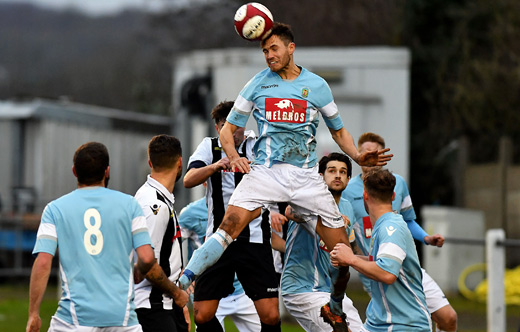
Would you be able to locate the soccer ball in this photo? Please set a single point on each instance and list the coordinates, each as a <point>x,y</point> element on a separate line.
<point>253,21</point>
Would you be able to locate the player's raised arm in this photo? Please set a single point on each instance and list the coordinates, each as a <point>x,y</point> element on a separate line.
<point>371,158</point>
<point>228,144</point>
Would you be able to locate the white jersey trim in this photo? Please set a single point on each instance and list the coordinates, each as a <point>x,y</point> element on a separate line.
<point>330,110</point>
<point>392,251</point>
<point>47,230</point>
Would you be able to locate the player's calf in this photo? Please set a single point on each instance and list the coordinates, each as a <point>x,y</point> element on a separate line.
<point>205,256</point>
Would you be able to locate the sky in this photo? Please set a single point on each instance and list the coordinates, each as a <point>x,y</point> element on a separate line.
<point>106,7</point>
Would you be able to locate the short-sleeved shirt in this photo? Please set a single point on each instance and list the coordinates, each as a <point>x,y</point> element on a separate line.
<point>362,225</point>
<point>287,115</point>
<point>163,227</point>
<point>400,306</point>
<point>96,230</point>
<point>307,260</point>
<point>221,186</point>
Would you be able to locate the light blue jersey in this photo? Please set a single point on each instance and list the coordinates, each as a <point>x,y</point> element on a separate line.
<point>287,115</point>
<point>96,230</point>
<point>307,260</point>
<point>362,225</point>
<point>194,221</point>
<point>400,306</point>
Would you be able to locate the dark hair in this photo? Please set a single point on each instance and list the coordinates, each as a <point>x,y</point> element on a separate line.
<point>338,157</point>
<point>221,111</point>
<point>90,162</point>
<point>164,151</point>
<point>371,137</point>
<point>380,183</point>
<point>283,31</point>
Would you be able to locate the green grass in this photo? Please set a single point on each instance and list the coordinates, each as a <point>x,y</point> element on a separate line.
<point>14,306</point>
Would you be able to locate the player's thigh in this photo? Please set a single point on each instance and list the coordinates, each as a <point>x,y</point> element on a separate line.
<point>332,236</point>
<point>241,310</point>
<point>160,320</point>
<point>255,270</point>
<point>435,298</point>
<point>306,309</point>
<point>313,199</point>
<point>261,187</point>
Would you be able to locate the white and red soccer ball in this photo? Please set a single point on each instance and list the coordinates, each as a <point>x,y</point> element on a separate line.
<point>253,21</point>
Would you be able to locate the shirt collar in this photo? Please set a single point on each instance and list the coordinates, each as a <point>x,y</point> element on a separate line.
<point>158,186</point>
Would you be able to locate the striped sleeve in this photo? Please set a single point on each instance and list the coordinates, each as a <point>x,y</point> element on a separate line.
<point>140,233</point>
<point>46,238</point>
<point>240,112</point>
<point>331,116</point>
<point>390,257</point>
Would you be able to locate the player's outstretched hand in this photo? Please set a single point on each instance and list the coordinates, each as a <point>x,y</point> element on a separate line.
<point>341,255</point>
<point>374,158</point>
<point>434,240</point>
<point>240,165</point>
<point>277,220</point>
<point>33,324</point>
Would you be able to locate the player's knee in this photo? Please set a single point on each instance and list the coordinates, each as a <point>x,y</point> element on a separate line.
<point>445,318</point>
<point>269,317</point>
<point>202,316</point>
<point>276,327</point>
<point>211,325</point>
<point>232,224</point>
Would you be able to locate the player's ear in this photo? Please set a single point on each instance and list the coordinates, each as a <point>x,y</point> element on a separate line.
<point>365,195</point>
<point>150,163</point>
<point>292,47</point>
<point>107,172</point>
<point>393,196</point>
<point>74,171</point>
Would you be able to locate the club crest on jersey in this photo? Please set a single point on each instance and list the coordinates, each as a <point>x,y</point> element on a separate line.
<point>323,246</point>
<point>305,92</point>
<point>155,209</point>
<point>367,227</point>
<point>285,110</point>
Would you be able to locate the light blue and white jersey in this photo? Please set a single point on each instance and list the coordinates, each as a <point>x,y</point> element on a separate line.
<point>307,260</point>
<point>400,306</point>
<point>287,115</point>
<point>194,221</point>
<point>96,230</point>
<point>362,224</point>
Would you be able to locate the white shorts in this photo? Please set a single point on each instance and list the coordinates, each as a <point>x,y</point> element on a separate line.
<point>59,325</point>
<point>306,307</point>
<point>303,188</point>
<point>435,298</point>
<point>241,309</point>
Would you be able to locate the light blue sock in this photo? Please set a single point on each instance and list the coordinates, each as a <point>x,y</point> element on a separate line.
<point>204,257</point>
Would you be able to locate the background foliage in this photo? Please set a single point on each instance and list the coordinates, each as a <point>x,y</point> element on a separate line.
<point>465,73</point>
